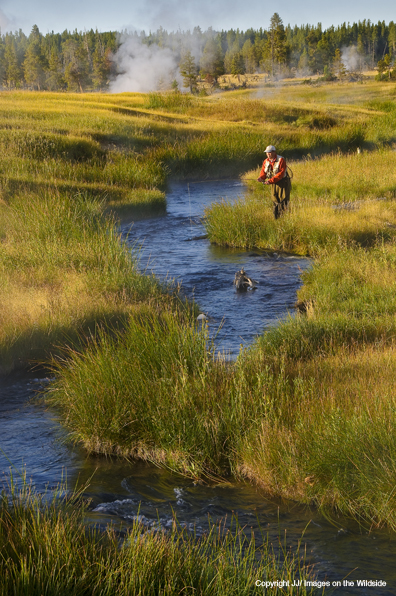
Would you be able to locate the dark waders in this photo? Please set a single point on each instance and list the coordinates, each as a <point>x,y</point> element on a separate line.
<point>281,195</point>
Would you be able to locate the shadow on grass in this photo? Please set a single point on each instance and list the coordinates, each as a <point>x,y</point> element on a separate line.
<point>37,345</point>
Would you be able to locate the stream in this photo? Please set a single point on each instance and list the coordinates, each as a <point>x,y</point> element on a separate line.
<point>174,247</point>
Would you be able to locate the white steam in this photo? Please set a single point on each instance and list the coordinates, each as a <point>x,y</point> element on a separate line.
<point>143,68</point>
<point>351,59</point>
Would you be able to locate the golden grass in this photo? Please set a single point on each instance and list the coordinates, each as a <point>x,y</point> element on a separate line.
<point>345,95</point>
<point>346,393</point>
<point>345,177</point>
<point>336,200</point>
<point>36,318</point>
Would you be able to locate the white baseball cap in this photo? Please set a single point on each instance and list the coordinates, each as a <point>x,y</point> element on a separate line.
<point>270,148</point>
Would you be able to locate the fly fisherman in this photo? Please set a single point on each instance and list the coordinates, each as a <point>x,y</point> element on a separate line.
<point>274,172</point>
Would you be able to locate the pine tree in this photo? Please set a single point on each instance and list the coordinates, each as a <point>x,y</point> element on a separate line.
<point>238,65</point>
<point>324,52</point>
<point>76,65</point>
<point>312,39</point>
<point>54,75</point>
<point>303,66</point>
<point>34,63</point>
<point>386,64</point>
<point>2,51</point>
<point>188,71</point>
<point>338,67</point>
<point>101,64</point>
<point>12,72</point>
<point>360,52</point>
<point>392,37</point>
<point>374,40</point>
<point>212,63</point>
<point>276,44</point>
<point>249,57</point>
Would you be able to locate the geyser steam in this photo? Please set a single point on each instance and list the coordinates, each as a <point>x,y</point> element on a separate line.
<point>143,68</point>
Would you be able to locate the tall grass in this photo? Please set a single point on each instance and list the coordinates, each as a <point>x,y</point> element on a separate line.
<point>306,230</point>
<point>45,548</point>
<point>146,393</point>
<point>306,413</point>
<point>329,437</point>
<point>318,429</point>
<point>336,201</point>
<point>320,186</point>
<point>62,267</point>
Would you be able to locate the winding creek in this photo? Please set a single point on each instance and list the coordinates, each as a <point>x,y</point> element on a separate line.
<point>173,246</point>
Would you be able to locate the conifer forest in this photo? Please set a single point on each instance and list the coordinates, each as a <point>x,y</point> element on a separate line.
<point>90,60</point>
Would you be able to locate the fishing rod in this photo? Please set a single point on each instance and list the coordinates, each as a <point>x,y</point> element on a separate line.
<point>288,168</point>
<point>219,180</point>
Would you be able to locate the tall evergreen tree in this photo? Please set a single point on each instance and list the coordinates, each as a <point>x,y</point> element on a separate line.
<point>101,64</point>
<point>34,63</point>
<point>13,76</point>
<point>189,71</point>
<point>76,65</point>
<point>374,41</point>
<point>360,52</point>
<point>54,75</point>
<point>212,62</point>
<point>238,65</point>
<point>275,49</point>
<point>338,65</point>
<point>2,50</point>
<point>392,38</point>
<point>249,57</point>
<point>386,64</point>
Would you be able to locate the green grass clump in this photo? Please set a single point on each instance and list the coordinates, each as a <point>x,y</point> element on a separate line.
<point>349,298</point>
<point>316,426</point>
<point>173,102</point>
<point>45,548</point>
<point>43,145</point>
<point>306,230</point>
<point>148,392</point>
<point>307,412</point>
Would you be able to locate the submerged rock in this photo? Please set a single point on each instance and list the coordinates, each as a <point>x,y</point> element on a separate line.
<point>202,318</point>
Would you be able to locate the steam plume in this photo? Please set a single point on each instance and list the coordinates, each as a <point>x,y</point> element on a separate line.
<point>143,68</point>
<point>350,58</point>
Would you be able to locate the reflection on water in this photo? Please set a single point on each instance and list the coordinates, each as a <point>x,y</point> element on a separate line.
<point>122,491</point>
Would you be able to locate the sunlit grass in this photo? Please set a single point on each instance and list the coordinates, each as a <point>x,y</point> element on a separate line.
<point>62,269</point>
<point>336,200</point>
<point>328,437</point>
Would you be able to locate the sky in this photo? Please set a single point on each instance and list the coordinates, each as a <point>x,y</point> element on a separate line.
<point>118,15</point>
